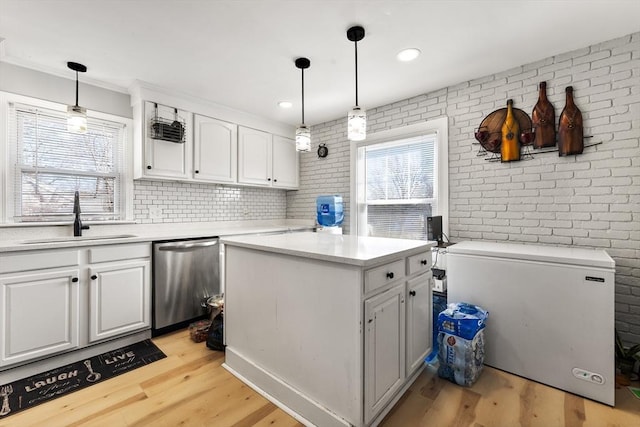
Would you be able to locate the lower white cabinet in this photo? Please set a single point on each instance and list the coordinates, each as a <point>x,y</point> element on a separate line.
<point>118,299</point>
<point>54,301</point>
<point>384,353</point>
<point>39,314</point>
<point>419,321</point>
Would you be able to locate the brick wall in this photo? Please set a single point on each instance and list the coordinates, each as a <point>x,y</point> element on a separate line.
<point>188,202</point>
<point>591,200</point>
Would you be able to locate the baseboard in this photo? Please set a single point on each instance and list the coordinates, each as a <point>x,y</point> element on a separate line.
<point>290,400</point>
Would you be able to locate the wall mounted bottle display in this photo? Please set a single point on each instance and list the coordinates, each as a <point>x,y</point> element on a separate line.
<point>510,145</point>
<point>489,133</point>
<point>543,118</point>
<point>570,127</point>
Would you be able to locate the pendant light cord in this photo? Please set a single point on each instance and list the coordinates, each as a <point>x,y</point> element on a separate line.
<point>303,96</point>
<point>356,50</point>
<point>76,88</point>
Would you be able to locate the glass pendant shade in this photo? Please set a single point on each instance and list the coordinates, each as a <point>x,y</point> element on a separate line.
<point>303,138</point>
<point>357,124</point>
<point>76,115</point>
<point>76,119</point>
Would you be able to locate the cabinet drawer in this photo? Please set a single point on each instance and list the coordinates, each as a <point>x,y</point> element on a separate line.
<point>380,276</point>
<point>418,263</point>
<point>38,260</point>
<point>119,252</point>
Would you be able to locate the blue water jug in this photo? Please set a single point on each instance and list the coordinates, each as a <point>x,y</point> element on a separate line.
<point>330,211</point>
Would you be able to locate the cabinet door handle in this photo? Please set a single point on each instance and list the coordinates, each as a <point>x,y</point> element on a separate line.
<point>390,275</point>
<point>268,179</point>
<point>197,171</point>
<point>74,279</point>
<point>94,277</point>
<point>275,180</point>
<point>412,293</point>
<point>423,262</point>
<point>149,167</point>
<point>370,320</point>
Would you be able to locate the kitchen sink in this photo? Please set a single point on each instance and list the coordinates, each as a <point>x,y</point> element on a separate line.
<point>76,239</point>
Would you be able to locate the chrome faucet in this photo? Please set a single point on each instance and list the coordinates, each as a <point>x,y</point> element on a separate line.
<point>77,222</point>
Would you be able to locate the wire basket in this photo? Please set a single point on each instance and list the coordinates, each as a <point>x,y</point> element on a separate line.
<point>167,129</point>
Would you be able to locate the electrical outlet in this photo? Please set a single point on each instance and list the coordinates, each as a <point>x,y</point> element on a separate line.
<point>155,212</point>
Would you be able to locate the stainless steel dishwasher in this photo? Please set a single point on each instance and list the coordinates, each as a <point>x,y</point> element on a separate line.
<point>185,272</point>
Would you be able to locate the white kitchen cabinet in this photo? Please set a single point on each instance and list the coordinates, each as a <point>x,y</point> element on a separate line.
<point>166,159</point>
<point>55,301</point>
<point>215,156</point>
<point>419,321</point>
<point>39,314</point>
<point>384,341</point>
<point>266,160</point>
<point>119,296</point>
<point>308,294</point>
<point>286,165</point>
<point>119,289</point>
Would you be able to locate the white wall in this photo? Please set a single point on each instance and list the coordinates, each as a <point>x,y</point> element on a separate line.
<point>590,200</point>
<point>36,84</point>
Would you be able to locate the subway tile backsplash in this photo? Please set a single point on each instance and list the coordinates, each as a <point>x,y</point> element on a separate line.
<point>167,201</point>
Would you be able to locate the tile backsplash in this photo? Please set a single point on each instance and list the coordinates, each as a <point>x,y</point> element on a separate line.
<point>166,201</point>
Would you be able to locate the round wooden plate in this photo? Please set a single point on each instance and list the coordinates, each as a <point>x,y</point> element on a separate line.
<point>493,124</point>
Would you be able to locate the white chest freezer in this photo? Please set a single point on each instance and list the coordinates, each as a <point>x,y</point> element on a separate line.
<point>551,311</point>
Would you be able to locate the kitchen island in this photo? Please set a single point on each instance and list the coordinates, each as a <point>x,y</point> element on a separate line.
<point>331,328</point>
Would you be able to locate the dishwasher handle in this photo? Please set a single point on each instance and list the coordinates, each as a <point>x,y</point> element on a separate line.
<point>187,246</point>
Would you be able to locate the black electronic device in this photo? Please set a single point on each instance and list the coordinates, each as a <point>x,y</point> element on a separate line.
<point>434,228</point>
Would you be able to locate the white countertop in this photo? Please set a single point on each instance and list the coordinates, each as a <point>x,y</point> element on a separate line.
<point>36,238</point>
<point>552,254</point>
<point>345,249</point>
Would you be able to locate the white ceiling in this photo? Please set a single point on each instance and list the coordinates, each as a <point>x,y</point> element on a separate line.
<point>240,53</point>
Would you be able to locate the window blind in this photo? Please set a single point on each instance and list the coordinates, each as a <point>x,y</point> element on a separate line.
<point>400,187</point>
<point>52,163</point>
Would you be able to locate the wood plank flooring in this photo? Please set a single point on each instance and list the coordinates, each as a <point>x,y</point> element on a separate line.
<point>190,388</point>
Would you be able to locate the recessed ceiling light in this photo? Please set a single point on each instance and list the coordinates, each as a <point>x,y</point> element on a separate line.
<point>408,54</point>
<point>285,104</point>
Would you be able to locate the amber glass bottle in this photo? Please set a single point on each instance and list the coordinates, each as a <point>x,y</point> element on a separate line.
<point>543,118</point>
<point>570,129</point>
<point>510,147</point>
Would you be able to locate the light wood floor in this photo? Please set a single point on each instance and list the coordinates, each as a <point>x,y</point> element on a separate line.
<point>190,388</point>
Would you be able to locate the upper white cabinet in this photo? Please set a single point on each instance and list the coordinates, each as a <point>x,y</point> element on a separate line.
<point>266,160</point>
<point>254,157</point>
<point>286,164</point>
<point>208,149</point>
<point>168,156</point>
<point>215,156</point>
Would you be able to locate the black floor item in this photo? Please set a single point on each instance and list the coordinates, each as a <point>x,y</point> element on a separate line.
<point>27,392</point>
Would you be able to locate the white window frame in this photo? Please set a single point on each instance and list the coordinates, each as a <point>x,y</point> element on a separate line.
<point>7,179</point>
<point>438,126</point>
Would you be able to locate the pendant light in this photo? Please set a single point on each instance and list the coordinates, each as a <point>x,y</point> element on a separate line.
<point>76,115</point>
<point>303,133</point>
<point>357,118</point>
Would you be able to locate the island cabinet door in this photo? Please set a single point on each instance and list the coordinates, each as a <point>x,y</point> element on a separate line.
<point>384,342</point>
<point>419,321</point>
<point>39,314</point>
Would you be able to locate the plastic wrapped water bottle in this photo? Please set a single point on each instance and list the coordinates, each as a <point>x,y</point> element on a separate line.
<point>461,343</point>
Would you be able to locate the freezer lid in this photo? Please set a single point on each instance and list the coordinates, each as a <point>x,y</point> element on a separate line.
<point>558,255</point>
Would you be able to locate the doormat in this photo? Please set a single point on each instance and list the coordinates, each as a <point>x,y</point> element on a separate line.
<point>28,392</point>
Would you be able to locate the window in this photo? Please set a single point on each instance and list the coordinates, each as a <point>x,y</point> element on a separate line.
<point>400,180</point>
<point>47,165</point>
